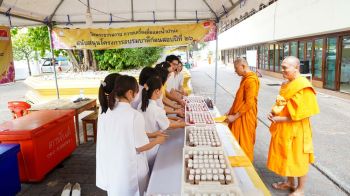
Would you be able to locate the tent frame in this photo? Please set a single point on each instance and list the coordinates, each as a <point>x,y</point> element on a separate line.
<point>49,23</point>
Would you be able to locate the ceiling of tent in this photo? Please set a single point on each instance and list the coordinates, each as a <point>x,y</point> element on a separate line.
<point>107,13</point>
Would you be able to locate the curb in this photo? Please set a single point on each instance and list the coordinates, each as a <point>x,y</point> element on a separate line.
<point>342,186</point>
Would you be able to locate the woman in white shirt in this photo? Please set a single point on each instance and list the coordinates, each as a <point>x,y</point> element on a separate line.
<point>105,89</point>
<point>155,116</point>
<point>175,82</point>
<point>123,143</point>
<point>145,73</point>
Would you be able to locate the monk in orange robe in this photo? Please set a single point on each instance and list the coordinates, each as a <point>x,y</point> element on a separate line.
<point>291,150</point>
<point>242,117</point>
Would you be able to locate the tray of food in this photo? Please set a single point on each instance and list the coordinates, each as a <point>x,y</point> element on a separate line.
<point>208,170</point>
<point>202,136</point>
<point>201,118</point>
<point>196,107</point>
<point>194,99</point>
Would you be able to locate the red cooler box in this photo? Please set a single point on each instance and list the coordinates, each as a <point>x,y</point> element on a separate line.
<point>46,138</point>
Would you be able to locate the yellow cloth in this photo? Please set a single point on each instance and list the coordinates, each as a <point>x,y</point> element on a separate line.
<point>291,148</point>
<point>187,77</point>
<point>220,119</point>
<point>163,90</point>
<point>245,103</point>
<point>239,161</point>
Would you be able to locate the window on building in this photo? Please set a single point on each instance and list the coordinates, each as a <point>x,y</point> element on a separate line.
<point>271,57</point>
<point>308,53</point>
<point>345,65</point>
<point>260,56</point>
<point>318,58</point>
<point>285,50</point>
<point>277,49</point>
<point>266,57</point>
<point>243,52</point>
<point>301,51</point>
<point>280,56</point>
<point>293,49</point>
<point>304,65</point>
<point>330,66</point>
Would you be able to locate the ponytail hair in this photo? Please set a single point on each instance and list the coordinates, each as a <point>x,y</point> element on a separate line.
<point>122,85</point>
<point>105,89</point>
<point>163,74</point>
<point>164,65</point>
<point>151,85</point>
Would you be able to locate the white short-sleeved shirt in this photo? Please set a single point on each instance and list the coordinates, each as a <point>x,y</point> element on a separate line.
<point>175,81</point>
<point>155,120</point>
<point>160,102</point>
<point>155,117</point>
<point>120,170</point>
<point>135,103</point>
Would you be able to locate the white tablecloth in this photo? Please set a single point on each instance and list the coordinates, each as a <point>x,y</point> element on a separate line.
<point>167,170</point>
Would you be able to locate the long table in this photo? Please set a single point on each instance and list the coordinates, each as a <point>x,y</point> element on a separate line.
<point>167,170</point>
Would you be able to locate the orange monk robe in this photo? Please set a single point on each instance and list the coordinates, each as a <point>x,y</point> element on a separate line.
<point>291,149</point>
<point>245,103</point>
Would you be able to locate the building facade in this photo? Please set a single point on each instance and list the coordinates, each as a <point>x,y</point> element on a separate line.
<point>315,31</point>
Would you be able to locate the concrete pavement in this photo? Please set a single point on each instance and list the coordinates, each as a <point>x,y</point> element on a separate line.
<point>330,130</point>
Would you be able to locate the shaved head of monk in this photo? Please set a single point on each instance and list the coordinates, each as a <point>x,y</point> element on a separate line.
<point>241,66</point>
<point>290,67</point>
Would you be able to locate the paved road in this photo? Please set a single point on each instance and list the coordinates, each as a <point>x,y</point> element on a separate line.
<point>330,130</point>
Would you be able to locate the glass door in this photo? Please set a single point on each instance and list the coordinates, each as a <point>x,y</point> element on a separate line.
<point>317,66</point>
<point>330,67</point>
<point>271,57</point>
<point>345,66</point>
<point>280,57</point>
<point>293,49</point>
<point>308,57</point>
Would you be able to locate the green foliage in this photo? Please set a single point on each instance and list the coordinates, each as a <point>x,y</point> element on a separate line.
<point>38,39</point>
<point>128,58</point>
<point>21,47</point>
<point>35,38</point>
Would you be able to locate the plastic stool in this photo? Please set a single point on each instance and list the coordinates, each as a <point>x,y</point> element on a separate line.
<point>18,108</point>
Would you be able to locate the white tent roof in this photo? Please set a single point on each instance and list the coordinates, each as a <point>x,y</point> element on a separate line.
<point>123,12</point>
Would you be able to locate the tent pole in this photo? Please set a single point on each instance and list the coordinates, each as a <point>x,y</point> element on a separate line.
<point>216,62</point>
<point>187,55</point>
<point>53,60</point>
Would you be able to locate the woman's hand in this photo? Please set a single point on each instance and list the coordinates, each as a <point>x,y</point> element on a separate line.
<point>176,106</point>
<point>180,112</point>
<point>160,133</point>
<point>160,139</point>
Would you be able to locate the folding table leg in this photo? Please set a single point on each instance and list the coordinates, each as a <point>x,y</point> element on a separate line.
<point>77,128</point>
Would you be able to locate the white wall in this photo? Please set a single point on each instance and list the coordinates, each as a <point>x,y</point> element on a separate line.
<point>288,19</point>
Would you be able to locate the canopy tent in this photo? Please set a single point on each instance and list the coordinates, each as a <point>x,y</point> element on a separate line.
<point>112,13</point>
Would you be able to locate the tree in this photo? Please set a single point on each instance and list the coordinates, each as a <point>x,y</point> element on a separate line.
<point>127,58</point>
<point>21,47</point>
<point>38,39</point>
